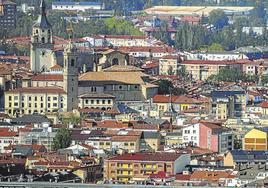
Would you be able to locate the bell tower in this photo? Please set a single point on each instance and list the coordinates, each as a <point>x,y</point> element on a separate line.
<point>42,42</point>
<point>70,74</point>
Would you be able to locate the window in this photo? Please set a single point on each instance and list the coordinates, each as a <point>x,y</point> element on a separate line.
<point>22,105</point>
<point>35,98</point>
<point>55,98</point>
<point>30,98</point>
<point>109,101</point>
<point>92,101</point>
<point>98,101</point>
<point>72,62</point>
<point>30,105</point>
<point>103,101</point>
<point>41,98</point>
<point>35,105</point>
<point>132,144</point>
<point>125,144</point>
<point>43,40</point>
<point>55,104</point>
<point>16,98</point>
<point>86,101</point>
<point>41,105</point>
<point>10,98</point>
<point>48,98</point>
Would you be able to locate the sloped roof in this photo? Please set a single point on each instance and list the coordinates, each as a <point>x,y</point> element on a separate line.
<point>123,77</point>
<point>31,118</point>
<point>147,157</point>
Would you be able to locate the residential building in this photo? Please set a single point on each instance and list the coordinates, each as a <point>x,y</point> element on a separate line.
<point>228,104</point>
<point>8,14</point>
<point>76,6</point>
<point>208,135</point>
<point>40,136</point>
<point>7,137</point>
<point>150,141</point>
<point>197,10</point>
<point>255,139</point>
<point>35,100</point>
<point>173,139</point>
<point>216,56</point>
<point>138,166</point>
<point>203,69</point>
<point>169,65</point>
<point>179,104</point>
<point>148,51</point>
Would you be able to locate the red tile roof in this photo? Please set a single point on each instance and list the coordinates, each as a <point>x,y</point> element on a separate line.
<point>48,77</point>
<point>171,57</point>
<point>191,19</point>
<point>175,99</point>
<point>5,132</point>
<point>56,67</point>
<point>263,104</point>
<point>211,176</point>
<point>146,157</point>
<point>150,65</point>
<point>182,177</point>
<point>112,124</point>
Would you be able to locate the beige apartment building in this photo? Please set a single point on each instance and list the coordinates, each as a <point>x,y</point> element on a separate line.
<point>139,166</point>
<point>202,69</point>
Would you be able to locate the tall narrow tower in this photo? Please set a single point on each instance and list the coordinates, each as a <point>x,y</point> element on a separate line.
<point>70,75</point>
<point>42,42</point>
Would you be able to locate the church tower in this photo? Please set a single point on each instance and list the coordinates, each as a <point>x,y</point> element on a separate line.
<point>42,55</point>
<point>70,76</point>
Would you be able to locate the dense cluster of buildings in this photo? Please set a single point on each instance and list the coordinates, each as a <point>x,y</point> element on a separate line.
<point>122,128</point>
<point>8,15</point>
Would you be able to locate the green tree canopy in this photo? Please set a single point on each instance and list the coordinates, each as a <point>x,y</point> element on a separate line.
<point>62,139</point>
<point>218,18</point>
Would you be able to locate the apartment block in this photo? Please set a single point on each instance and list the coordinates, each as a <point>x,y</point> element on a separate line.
<point>139,166</point>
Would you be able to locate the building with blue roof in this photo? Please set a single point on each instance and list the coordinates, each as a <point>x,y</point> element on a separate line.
<point>76,6</point>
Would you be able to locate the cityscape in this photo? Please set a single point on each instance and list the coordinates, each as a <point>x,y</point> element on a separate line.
<point>133,93</point>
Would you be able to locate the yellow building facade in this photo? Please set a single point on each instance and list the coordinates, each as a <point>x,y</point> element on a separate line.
<point>255,140</point>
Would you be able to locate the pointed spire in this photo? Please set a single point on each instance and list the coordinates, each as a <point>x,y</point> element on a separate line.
<point>42,21</point>
<point>43,7</point>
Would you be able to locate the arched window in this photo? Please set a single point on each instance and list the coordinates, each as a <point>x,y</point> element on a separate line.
<point>43,40</point>
<point>115,61</point>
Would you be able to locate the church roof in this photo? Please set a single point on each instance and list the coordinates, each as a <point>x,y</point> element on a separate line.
<point>123,77</point>
<point>42,21</point>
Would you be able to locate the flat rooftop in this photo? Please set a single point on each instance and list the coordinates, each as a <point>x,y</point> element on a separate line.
<point>194,10</point>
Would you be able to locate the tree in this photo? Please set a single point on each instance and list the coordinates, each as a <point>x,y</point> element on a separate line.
<point>215,47</point>
<point>166,87</point>
<point>218,18</point>
<point>62,139</point>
